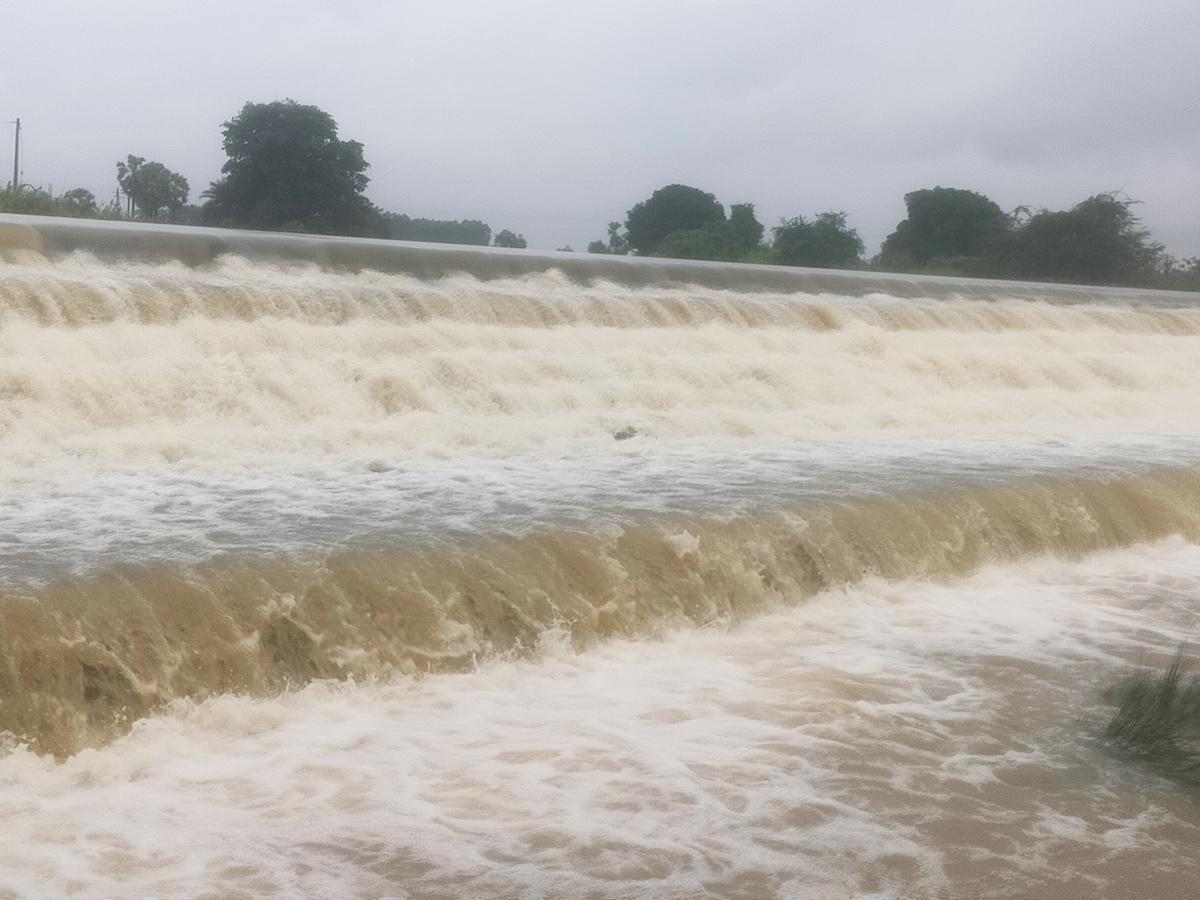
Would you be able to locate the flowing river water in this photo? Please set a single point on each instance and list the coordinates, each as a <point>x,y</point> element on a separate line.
<point>320,581</point>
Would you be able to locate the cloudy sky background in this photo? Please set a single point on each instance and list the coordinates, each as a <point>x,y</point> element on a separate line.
<point>554,118</point>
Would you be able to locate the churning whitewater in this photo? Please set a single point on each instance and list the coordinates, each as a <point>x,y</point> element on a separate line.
<point>335,582</point>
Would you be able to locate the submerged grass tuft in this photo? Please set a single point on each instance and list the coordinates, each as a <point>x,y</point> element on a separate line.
<point>1157,719</point>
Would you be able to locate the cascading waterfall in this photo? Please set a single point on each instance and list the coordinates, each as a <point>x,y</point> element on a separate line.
<point>359,569</point>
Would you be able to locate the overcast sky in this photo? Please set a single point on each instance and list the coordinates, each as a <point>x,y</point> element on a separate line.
<point>553,118</point>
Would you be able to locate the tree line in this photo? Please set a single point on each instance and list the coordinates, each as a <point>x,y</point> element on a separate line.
<point>146,190</point>
<point>947,231</point>
<point>287,170</point>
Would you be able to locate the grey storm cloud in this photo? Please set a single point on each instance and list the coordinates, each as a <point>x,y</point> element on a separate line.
<point>553,119</point>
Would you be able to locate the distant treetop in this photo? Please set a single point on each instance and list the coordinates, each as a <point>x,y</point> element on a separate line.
<point>511,240</point>
<point>441,231</point>
<point>734,240</point>
<point>1098,241</point>
<point>151,187</point>
<point>826,242</point>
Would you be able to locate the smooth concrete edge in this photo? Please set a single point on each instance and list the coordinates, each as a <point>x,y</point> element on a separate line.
<point>197,246</point>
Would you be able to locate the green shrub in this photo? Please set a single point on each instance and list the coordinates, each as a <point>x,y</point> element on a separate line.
<point>33,201</point>
<point>1157,719</point>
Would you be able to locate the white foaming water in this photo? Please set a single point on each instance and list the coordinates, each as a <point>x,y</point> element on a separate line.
<point>711,593</point>
<point>136,365</point>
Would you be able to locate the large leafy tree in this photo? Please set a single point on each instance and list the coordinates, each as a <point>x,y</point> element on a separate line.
<point>162,189</point>
<point>825,242</point>
<point>676,207</point>
<point>288,171</point>
<point>617,244</point>
<point>80,203</point>
<point>1099,241</point>
<point>151,187</point>
<point>510,239</point>
<point>942,224</point>
<point>734,240</point>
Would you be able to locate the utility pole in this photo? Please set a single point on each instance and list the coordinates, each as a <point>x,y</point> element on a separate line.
<point>16,182</point>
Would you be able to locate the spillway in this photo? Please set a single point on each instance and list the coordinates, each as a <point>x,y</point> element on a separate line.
<point>361,568</point>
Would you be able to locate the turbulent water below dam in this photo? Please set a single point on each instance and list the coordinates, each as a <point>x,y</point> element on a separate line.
<point>327,581</point>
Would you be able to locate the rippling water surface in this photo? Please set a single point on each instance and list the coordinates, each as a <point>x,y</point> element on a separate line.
<point>330,584</point>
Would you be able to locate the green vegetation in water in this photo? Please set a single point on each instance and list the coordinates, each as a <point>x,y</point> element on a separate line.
<point>1157,719</point>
